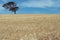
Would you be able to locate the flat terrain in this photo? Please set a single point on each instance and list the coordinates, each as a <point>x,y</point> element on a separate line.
<point>30,27</point>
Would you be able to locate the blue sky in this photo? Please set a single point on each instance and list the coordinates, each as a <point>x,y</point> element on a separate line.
<point>33,6</point>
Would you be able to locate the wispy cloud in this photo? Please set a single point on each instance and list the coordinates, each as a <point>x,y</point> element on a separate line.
<point>1,8</point>
<point>44,5</point>
<point>1,3</point>
<point>6,1</point>
<point>41,3</point>
<point>56,3</point>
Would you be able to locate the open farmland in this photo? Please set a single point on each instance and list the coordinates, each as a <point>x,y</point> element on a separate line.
<point>30,27</point>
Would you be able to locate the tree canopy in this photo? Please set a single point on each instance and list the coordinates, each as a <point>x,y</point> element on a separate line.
<point>11,6</point>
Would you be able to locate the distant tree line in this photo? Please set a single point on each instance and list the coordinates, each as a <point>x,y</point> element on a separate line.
<point>11,6</point>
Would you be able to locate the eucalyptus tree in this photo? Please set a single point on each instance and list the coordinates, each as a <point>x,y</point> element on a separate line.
<point>11,6</point>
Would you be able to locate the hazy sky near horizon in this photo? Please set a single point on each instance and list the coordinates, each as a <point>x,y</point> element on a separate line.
<point>33,6</point>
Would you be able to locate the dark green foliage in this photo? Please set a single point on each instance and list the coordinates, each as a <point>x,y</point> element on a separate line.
<point>11,6</point>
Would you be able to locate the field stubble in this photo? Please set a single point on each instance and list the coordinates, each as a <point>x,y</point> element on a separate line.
<point>29,27</point>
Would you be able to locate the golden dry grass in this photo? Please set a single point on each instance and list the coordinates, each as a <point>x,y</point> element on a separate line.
<point>30,27</point>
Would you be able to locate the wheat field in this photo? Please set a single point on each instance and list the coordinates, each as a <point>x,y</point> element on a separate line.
<point>30,27</point>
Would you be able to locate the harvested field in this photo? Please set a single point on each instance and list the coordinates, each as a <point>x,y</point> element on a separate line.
<point>30,27</point>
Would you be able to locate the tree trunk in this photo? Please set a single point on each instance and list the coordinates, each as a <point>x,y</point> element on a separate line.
<point>14,12</point>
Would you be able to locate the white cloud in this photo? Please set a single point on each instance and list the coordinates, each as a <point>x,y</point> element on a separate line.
<point>41,3</point>
<point>1,8</point>
<point>56,3</point>
<point>6,1</point>
<point>3,1</point>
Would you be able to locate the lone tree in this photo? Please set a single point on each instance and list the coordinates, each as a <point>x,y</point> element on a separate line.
<point>11,6</point>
